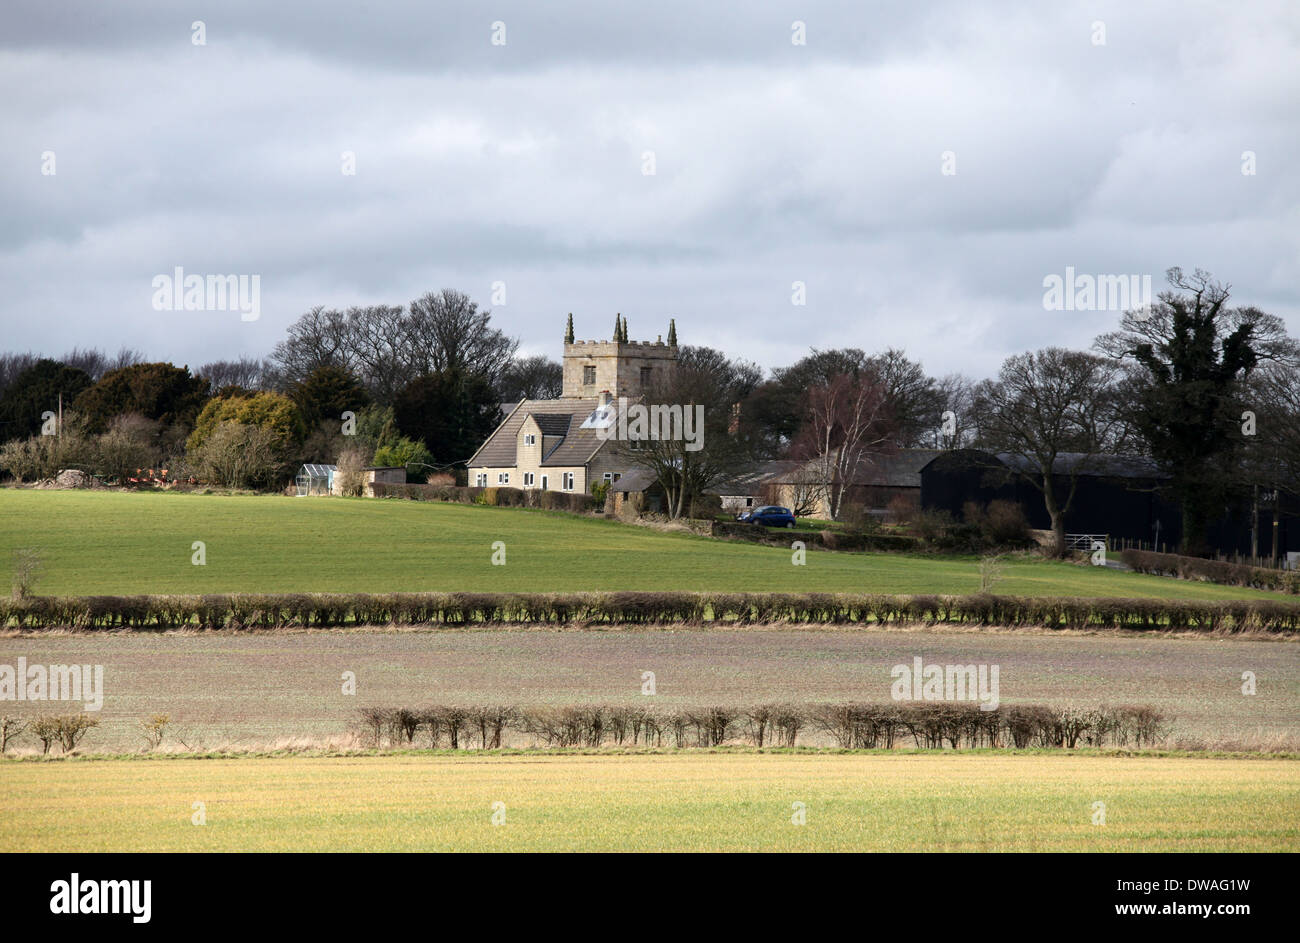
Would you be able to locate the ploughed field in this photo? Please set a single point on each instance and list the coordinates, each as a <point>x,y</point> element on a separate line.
<point>111,543</point>
<point>695,802</point>
<point>257,690</point>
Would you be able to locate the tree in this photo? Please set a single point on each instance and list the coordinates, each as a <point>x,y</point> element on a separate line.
<point>846,422</point>
<point>685,469</point>
<point>1053,411</point>
<point>36,391</point>
<point>1271,457</point>
<point>247,373</point>
<point>406,453</point>
<point>274,412</point>
<point>378,336</point>
<point>320,338</point>
<point>1191,355</point>
<point>237,455</point>
<point>452,412</point>
<point>160,391</point>
<point>96,363</point>
<point>915,401</point>
<point>131,442</point>
<point>446,331</point>
<point>537,377</point>
<point>326,393</point>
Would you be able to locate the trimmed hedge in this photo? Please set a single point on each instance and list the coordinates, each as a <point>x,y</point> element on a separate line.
<point>853,726</point>
<point>325,610</point>
<point>1211,571</point>
<point>493,497</point>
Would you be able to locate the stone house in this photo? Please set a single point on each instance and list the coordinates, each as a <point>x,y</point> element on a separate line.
<point>560,444</point>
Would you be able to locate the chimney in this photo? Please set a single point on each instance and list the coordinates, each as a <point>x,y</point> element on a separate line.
<point>604,398</point>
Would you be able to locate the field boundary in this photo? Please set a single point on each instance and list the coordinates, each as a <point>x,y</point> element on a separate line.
<point>597,609</point>
<point>501,753</point>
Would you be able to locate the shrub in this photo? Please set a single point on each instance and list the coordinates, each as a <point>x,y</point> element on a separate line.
<point>11,728</point>
<point>1212,571</point>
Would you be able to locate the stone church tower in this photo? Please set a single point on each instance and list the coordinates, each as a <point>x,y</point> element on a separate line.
<point>620,366</point>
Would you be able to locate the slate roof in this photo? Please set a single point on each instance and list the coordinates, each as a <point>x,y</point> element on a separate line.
<point>579,444</point>
<point>1096,466</point>
<point>552,423</point>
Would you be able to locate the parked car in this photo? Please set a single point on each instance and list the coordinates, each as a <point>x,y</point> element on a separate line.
<point>768,516</point>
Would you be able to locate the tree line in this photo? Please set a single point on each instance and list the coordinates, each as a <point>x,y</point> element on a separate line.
<point>1207,390</point>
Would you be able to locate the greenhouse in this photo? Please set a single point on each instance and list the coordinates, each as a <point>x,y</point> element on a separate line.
<point>316,479</point>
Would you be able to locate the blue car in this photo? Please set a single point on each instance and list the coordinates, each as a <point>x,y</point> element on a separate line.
<point>768,516</point>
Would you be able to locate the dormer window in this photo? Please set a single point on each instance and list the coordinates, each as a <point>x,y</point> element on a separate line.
<point>530,439</point>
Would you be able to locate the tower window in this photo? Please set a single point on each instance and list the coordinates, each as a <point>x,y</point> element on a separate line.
<point>645,376</point>
<point>588,376</point>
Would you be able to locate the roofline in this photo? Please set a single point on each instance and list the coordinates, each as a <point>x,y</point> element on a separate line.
<point>493,436</point>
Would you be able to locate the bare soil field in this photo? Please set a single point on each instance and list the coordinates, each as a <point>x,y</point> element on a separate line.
<point>260,689</point>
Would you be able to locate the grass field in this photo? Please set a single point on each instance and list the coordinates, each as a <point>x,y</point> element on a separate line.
<point>121,543</point>
<point>704,802</point>
<point>247,690</point>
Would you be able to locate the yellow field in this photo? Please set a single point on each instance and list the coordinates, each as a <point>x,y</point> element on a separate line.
<point>689,801</point>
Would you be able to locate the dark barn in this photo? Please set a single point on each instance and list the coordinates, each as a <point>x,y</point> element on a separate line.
<point>1121,496</point>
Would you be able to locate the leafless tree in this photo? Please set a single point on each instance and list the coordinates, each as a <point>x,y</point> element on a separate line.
<point>1054,411</point>
<point>445,330</point>
<point>847,423</point>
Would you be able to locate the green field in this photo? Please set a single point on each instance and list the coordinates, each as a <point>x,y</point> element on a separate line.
<point>123,543</point>
<point>704,802</point>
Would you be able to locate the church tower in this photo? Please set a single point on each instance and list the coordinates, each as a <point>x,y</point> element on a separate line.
<point>621,367</point>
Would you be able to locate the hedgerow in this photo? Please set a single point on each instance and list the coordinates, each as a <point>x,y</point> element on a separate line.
<point>851,726</point>
<point>1212,571</point>
<point>493,497</point>
<point>328,610</point>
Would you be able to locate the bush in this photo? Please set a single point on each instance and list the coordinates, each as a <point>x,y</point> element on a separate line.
<point>326,610</point>
<point>850,726</point>
<point>1212,571</point>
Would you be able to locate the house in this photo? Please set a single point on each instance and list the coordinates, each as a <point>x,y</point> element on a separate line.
<point>561,444</point>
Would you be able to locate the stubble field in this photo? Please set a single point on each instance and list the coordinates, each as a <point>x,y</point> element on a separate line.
<point>695,802</point>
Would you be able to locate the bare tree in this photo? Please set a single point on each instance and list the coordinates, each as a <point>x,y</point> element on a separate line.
<point>686,469</point>
<point>246,372</point>
<point>446,330</point>
<point>536,377</point>
<point>320,338</point>
<point>1053,411</point>
<point>847,423</point>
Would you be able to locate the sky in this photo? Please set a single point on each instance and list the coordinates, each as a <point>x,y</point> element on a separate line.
<point>911,172</point>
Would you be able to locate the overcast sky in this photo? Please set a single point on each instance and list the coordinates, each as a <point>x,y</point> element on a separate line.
<point>524,163</point>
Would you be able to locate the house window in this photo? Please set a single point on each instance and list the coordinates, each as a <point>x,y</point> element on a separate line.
<point>609,476</point>
<point>567,481</point>
<point>481,479</point>
<point>503,478</point>
<point>530,439</point>
<point>528,479</point>
<point>544,480</point>
<point>588,376</point>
